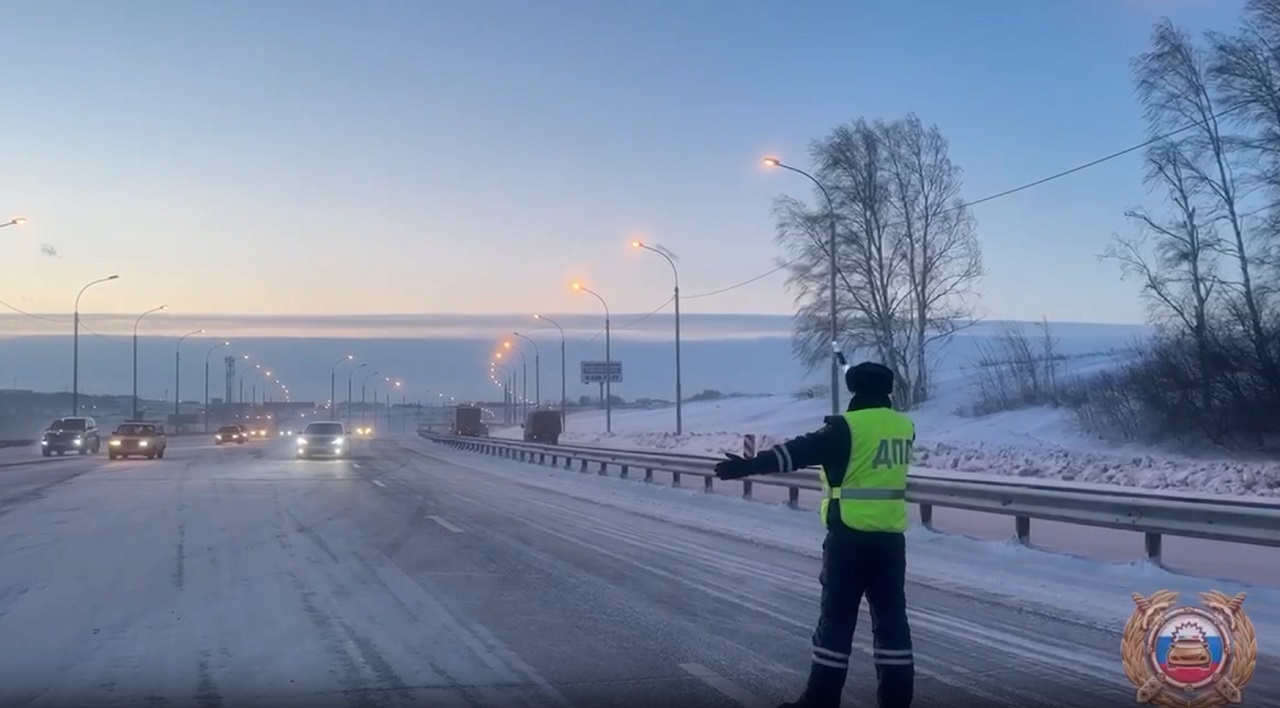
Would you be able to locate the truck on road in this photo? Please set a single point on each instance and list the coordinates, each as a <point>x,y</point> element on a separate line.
<point>469,421</point>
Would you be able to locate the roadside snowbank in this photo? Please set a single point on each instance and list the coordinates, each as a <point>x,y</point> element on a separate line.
<point>1035,442</point>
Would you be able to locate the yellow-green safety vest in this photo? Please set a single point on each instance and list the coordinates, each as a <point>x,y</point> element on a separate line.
<point>872,494</point>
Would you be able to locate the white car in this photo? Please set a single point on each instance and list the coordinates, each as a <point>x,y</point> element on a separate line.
<point>323,439</point>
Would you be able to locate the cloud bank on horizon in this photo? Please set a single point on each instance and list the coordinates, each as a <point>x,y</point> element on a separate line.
<point>432,326</point>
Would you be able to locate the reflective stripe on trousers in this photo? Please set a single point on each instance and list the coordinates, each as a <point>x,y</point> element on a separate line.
<point>865,493</point>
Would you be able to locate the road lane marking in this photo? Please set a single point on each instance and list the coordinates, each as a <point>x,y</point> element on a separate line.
<point>379,483</point>
<point>445,523</point>
<point>725,686</point>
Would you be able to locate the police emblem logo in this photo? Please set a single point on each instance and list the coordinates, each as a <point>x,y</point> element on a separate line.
<point>1189,657</point>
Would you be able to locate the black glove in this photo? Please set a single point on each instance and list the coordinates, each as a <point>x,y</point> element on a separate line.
<point>736,467</point>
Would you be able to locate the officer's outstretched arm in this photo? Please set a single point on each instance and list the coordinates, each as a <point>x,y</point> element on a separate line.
<point>829,445</point>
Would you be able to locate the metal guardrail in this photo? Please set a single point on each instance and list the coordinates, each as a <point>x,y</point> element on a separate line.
<point>1154,514</point>
<point>17,443</point>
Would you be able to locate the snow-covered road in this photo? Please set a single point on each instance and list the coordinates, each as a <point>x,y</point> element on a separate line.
<point>412,575</point>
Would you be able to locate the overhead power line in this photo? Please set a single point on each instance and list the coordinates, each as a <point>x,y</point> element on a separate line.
<point>992,197</point>
<point>1008,192</point>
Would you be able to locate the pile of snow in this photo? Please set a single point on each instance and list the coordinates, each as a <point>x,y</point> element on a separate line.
<point>1035,442</point>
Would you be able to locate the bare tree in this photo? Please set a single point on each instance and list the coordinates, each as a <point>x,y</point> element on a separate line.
<point>1205,260</point>
<point>906,256</point>
<point>1174,260</point>
<point>1174,86</point>
<point>943,257</point>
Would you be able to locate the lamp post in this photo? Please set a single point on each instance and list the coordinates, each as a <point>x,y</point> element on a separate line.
<point>75,345</point>
<point>524,390</point>
<point>19,221</point>
<point>537,370</point>
<point>831,265</point>
<point>351,373</point>
<point>564,398</point>
<point>266,379</point>
<point>397,385</point>
<point>508,398</point>
<point>177,373</point>
<point>608,359</point>
<point>362,401</point>
<point>376,384</point>
<point>333,386</point>
<point>135,355</point>
<point>676,298</point>
<point>212,349</point>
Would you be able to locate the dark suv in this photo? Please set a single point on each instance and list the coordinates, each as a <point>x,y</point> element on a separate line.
<point>75,434</point>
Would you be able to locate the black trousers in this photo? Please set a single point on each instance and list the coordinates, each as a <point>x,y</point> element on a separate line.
<point>857,564</point>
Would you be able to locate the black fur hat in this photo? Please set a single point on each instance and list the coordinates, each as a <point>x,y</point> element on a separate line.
<point>869,379</point>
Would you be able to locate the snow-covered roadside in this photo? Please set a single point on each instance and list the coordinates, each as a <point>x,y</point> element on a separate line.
<point>1035,442</point>
<point>1027,577</point>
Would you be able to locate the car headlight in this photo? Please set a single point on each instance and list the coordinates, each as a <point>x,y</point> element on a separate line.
<point>143,443</point>
<point>76,441</point>
<point>44,442</point>
<point>302,441</point>
<point>340,442</point>
<point>114,443</point>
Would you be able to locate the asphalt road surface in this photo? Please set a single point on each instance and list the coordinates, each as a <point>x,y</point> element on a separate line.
<point>239,576</point>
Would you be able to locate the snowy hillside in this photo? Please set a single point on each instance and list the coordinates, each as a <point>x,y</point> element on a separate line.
<point>1034,442</point>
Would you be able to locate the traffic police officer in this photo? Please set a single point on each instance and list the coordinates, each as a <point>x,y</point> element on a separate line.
<point>864,456</point>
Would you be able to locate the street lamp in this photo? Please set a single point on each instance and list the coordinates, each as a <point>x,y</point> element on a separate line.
<point>608,359</point>
<point>333,386</point>
<point>177,373</point>
<point>831,265</point>
<point>19,221</point>
<point>524,390</point>
<point>206,381</point>
<point>676,299</point>
<point>135,355</point>
<point>351,373</point>
<point>266,379</point>
<point>362,401</point>
<point>537,370</point>
<point>376,384</point>
<point>564,399</point>
<point>508,388</point>
<point>75,345</point>
<point>398,385</point>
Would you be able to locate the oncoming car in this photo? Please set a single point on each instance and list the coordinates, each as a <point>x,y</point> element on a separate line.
<point>323,439</point>
<point>364,431</point>
<point>229,434</point>
<point>138,438</point>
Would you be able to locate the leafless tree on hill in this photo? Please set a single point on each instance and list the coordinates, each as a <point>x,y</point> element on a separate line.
<point>907,253</point>
<point>1206,260</point>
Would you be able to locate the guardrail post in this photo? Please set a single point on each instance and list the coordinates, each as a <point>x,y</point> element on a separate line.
<point>1154,543</point>
<point>746,489</point>
<point>568,462</point>
<point>604,467</point>
<point>648,474</point>
<point>583,469</point>
<point>622,471</point>
<point>1022,527</point>
<point>793,497</point>
<point>926,516</point>
<point>706,483</point>
<point>675,479</point>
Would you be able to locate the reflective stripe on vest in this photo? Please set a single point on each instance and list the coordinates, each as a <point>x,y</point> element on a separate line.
<point>872,493</point>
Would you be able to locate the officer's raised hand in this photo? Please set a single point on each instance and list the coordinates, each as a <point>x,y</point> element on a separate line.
<point>735,467</point>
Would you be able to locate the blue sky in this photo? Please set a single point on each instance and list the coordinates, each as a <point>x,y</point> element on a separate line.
<point>409,156</point>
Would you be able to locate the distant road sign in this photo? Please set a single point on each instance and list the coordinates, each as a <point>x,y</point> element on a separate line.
<point>600,371</point>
